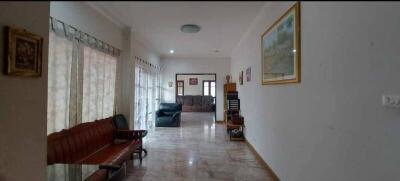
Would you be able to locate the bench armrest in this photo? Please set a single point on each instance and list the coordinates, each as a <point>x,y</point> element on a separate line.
<point>140,133</point>
<point>125,134</point>
<point>130,134</point>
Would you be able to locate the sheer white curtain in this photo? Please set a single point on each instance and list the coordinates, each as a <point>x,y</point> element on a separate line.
<point>81,83</point>
<point>147,96</point>
<point>59,83</point>
<point>99,74</point>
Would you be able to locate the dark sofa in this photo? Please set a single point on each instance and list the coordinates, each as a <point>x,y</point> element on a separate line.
<point>169,115</point>
<point>191,103</point>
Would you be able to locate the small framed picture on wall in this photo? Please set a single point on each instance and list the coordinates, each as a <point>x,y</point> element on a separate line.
<point>241,78</point>
<point>23,53</point>
<point>248,74</point>
<point>193,81</point>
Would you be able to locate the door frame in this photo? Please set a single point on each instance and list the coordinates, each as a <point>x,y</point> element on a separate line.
<point>216,86</point>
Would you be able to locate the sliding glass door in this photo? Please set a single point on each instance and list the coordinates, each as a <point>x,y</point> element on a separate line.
<point>147,97</point>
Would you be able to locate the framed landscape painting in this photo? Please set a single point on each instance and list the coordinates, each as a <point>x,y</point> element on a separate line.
<point>280,49</point>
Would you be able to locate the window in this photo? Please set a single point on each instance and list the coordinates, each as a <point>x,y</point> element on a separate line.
<point>147,96</point>
<point>81,83</point>
<point>99,73</point>
<point>180,87</point>
<point>209,88</point>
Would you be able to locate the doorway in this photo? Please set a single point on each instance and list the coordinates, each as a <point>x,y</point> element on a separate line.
<point>197,92</point>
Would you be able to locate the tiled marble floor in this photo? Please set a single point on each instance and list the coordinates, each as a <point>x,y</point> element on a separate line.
<point>198,150</point>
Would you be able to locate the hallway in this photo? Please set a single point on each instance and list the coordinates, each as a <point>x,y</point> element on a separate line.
<point>198,150</point>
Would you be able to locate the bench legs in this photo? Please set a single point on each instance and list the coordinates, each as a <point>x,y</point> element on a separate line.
<point>140,153</point>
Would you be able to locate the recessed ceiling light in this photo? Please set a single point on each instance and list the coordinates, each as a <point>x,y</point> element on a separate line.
<point>190,28</point>
<point>171,51</point>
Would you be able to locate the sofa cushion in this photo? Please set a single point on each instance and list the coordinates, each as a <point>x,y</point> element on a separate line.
<point>207,102</point>
<point>197,100</point>
<point>171,107</point>
<point>179,99</point>
<point>169,113</point>
<point>111,154</point>
<point>188,100</point>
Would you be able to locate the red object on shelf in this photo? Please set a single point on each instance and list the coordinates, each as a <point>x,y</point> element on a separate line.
<point>237,120</point>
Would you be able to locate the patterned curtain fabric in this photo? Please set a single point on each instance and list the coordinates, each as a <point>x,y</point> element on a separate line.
<point>81,83</point>
<point>59,83</point>
<point>99,74</point>
<point>147,96</point>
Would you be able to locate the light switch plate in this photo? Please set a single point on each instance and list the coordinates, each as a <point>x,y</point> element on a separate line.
<point>391,101</point>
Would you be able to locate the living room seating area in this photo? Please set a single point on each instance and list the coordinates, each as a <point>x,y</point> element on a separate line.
<point>169,115</point>
<point>196,103</point>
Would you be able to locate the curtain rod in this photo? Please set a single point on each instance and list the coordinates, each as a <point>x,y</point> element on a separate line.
<point>147,63</point>
<point>82,35</point>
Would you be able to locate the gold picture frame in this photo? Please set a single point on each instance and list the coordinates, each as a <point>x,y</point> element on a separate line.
<point>23,53</point>
<point>281,50</point>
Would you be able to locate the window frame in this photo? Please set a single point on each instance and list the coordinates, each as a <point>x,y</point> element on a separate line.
<point>209,87</point>
<point>183,87</point>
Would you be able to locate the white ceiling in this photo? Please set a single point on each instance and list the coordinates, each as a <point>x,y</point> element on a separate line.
<point>157,24</point>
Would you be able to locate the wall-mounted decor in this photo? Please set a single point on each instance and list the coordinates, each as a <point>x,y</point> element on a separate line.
<point>228,78</point>
<point>193,81</point>
<point>170,84</point>
<point>241,78</point>
<point>23,52</point>
<point>248,74</point>
<point>280,50</point>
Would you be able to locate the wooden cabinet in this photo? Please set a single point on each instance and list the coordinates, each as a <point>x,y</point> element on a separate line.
<point>227,87</point>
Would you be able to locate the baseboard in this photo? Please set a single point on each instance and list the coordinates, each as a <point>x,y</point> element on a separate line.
<point>274,176</point>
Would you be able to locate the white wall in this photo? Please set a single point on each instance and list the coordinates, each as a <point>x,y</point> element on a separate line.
<point>84,17</point>
<point>136,48</point>
<point>331,126</point>
<point>23,100</point>
<point>172,66</point>
<point>194,89</point>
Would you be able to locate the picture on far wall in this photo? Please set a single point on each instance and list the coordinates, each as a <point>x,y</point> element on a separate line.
<point>23,53</point>
<point>193,81</point>
<point>248,74</point>
<point>170,84</point>
<point>241,78</point>
<point>280,50</point>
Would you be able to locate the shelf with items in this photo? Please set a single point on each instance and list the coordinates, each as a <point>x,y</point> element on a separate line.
<point>228,87</point>
<point>235,128</point>
<point>234,122</point>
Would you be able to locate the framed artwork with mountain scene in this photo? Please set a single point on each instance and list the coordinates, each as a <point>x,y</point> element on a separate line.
<point>280,49</point>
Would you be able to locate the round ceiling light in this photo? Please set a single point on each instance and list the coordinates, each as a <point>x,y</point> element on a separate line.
<point>190,28</point>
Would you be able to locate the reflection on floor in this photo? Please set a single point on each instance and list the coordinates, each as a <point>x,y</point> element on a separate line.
<point>198,150</point>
